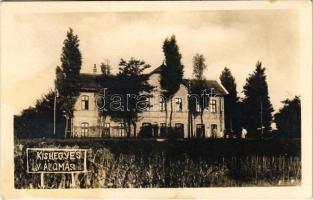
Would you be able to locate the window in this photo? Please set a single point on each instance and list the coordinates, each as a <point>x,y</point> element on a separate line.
<point>213,105</point>
<point>85,102</point>
<point>179,104</point>
<point>148,104</point>
<point>179,129</point>
<point>106,125</point>
<point>162,104</point>
<point>179,125</point>
<point>163,125</point>
<point>106,130</point>
<point>198,107</point>
<point>146,130</point>
<point>146,124</point>
<point>200,131</point>
<point>122,130</point>
<point>214,130</point>
<point>84,128</point>
<point>200,126</point>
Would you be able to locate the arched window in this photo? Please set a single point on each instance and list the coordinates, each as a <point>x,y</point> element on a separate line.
<point>84,129</point>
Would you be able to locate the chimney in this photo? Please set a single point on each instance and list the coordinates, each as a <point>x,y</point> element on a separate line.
<point>95,69</point>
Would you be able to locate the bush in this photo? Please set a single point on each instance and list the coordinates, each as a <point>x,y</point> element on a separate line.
<point>145,132</point>
<point>170,133</point>
<point>171,163</point>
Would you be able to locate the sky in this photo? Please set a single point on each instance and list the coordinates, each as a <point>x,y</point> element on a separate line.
<point>237,39</point>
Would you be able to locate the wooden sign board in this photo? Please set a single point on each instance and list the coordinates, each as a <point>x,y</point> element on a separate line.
<point>46,160</point>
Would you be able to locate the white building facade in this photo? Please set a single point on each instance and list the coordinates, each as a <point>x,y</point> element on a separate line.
<point>87,121</point>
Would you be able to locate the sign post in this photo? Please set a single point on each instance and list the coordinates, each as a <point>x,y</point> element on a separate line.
<point>50,160</point>
<point>42,183</point>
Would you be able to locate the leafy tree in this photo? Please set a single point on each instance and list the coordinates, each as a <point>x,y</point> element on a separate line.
<point>258,108</point>
<point>171,72</point>
<point>67,75</point>
<point>232,123</point>
<point>37,121</point>
<point>288,119</point>
<point>199,66</point>
<point>130,84</point>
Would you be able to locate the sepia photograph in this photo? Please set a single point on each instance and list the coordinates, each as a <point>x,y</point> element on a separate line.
<point>192,98</point>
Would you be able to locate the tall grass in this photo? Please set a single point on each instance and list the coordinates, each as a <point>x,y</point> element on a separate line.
<point>109,169</point>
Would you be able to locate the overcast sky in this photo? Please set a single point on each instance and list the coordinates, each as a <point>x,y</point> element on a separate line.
<point>32,45</point>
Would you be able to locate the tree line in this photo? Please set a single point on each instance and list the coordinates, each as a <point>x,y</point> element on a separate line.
<point>253,112</point>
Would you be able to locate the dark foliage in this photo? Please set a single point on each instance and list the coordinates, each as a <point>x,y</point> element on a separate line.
<point>37,122</point>
<point>232,109</point>
<point>67,76</point>
<point>141,163</point>
<point>257,105</point>
<point>146,132</point>
<point>193,147</point>
<point>288,119</point>
<point>171,72</point>
<point>128,92</point>
<point>199,66</point>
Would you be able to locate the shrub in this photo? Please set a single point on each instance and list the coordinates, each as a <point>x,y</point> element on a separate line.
<point>147,163</point>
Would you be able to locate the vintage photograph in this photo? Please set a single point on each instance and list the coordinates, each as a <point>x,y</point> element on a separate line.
<point>155,99</point>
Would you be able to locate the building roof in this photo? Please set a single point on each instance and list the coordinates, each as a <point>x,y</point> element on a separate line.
<point>90,82</point>
<point>217,87</point>
<point>214,84</point>
<point>156,70</point>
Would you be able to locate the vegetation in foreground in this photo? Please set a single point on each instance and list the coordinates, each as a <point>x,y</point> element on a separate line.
<point>122,164</point>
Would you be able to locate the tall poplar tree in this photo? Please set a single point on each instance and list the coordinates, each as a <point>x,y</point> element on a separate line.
<point>106,68</point>
<point>198,86</point>
<point>232,124</point>
<point>67,75</point>
<point>172,72</point>
<point>199,66</point>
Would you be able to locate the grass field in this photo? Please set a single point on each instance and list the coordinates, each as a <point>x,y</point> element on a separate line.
<point>151,163</point>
